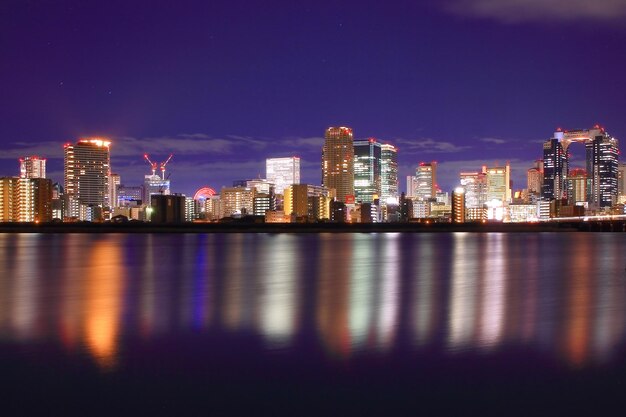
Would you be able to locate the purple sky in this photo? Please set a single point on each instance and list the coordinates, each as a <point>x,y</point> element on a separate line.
<point>225,84</point>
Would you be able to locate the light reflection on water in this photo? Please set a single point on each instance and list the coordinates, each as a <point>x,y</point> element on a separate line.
<point>561,294</point>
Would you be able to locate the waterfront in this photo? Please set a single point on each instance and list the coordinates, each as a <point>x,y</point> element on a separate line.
<point>313,323</point>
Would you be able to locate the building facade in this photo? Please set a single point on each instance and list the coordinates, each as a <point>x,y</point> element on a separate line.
<point>87,171</point>
<point>388,173</point>
<point>282,172</point>
<point>367,170</point>
<point>601,163</point>
<point>338,162</point>
<point>426,178</point>
<point>32,167</point>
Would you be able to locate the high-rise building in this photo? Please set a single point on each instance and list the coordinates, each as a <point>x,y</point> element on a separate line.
<point>602,169</point>
<point>426,175</point>
<point>25,199</point>
<point>114,183</point>
<point>534,178</point>
<point>338,162</point>
<point>32,167</point>
<point>87,171</point>
<point>554,170</point>
<point>411,185</point>
<point>458,205</point>
<point>282,172</point>
<point>154,185</point>
<point>576,186</point>
<point>602,164</point>
<point>388,173</point>
<point>475,185</point>
<point>499,183</point>
<point>367,170</point>
<point>621,182</point>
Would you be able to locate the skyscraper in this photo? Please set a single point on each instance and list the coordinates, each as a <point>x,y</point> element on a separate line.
<point>154,185</point>
<point>602,168</point>
<point>499,183</point>
<point>282,172</point>
<point>475,186</point>
<point>367,170</point>
<point>426,175</point>
<point>388,173</point>
<point>338,162</point>
<point>87,171</point>
<point>554,170</point>
<point>534,178</point>
<point>601,151</point>
<point>32,167</point>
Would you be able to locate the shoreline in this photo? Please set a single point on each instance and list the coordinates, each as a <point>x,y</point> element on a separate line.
<point>598,226</point>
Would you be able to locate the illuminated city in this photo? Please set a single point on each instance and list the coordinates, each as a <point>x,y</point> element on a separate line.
<point>310,208</point>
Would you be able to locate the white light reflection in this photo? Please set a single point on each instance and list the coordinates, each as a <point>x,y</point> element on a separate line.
<point>462,320</point>
<point>388,316</point>
<point>25,288</point>
<point>361,288</point>
<point>278,289</point>
<point>426,290</point>
<point>233,282</point>
<point>494,283</point>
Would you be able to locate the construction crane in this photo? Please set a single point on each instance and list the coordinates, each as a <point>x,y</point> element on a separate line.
<point>163,166</point>
<point>154,165</point>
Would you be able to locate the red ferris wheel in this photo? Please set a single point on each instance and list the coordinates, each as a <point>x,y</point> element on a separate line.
<point>204,193</point>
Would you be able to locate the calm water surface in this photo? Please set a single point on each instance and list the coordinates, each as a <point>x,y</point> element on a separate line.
<point>315,324</point>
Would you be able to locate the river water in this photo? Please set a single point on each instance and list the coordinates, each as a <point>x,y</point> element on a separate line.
<point>313,324</point>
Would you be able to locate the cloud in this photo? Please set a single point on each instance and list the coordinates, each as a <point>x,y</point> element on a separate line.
<point>515,11</point>
<point>184,144</point>
<point>429,145</point>
<point>497,141</point>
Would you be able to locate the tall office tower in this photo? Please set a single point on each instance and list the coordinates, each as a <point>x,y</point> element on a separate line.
<point>458,205</point>
<point>475,185</point>
<point>411,185</point>
<point>602,168</point>
<point>534,178</point>
<point>87,169</point>
<point>621,182</point>
<point>367,169</point>
<point>499,183</point>
<point>426,175</point>
<point>114,183</point>
<point>154,185</point>
<point>576,186</point>
<point>388,173</point>
<point>554,170</point>
<point>282,172</point>
<point>338,162</point>
<point>602,164</point>
<point>32,167</point>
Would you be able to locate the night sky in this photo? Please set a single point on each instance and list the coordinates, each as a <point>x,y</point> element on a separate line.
<point>225,84</point>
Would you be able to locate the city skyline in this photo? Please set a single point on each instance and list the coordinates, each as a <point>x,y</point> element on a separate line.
<point>230,84</point>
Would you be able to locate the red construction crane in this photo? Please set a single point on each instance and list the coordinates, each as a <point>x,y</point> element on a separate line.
<point>163,165</point>
<point>154,165</point>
